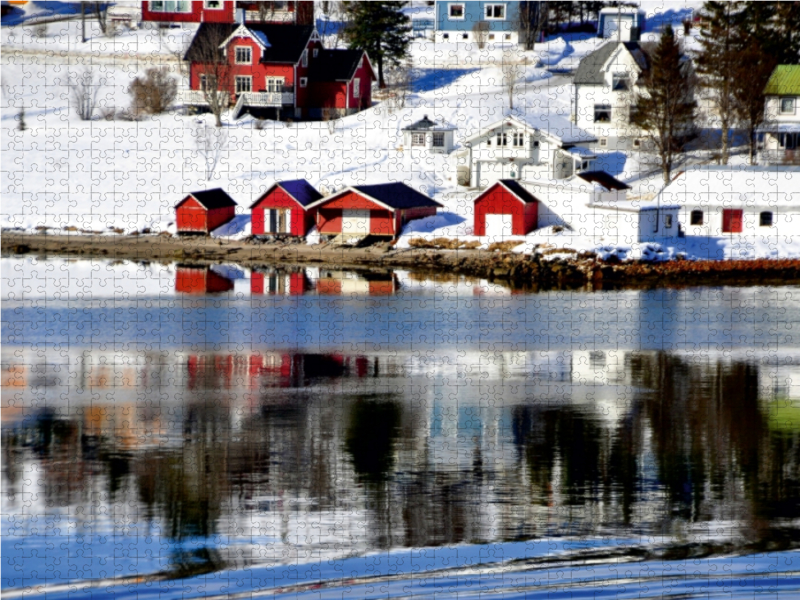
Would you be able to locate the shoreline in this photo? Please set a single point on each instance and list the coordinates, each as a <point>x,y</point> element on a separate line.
<point>524,272</point>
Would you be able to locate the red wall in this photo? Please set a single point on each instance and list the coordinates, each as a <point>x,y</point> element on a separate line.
<point>198,14</point>
<point>301,220</point>
<point>382,221</point>
<point>334,94</point>
<point>200,281</point>
<point>365,97</point>
<point>220,216</point>
<point>497,200</point>
<point>191,216</point>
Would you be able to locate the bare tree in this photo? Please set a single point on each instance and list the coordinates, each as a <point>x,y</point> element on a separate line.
<point>216,76</point>
<point>210,143</point>
<point>101,13</point>
<point>751,75</point>
<point>400,79</point>
<point>480,30</point>
<point>153,93</point>
<point>532,16</point>
<point>84,89</point>
<point>512,71</point>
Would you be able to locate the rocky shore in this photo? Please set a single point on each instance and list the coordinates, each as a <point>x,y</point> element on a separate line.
<point>535,272</point>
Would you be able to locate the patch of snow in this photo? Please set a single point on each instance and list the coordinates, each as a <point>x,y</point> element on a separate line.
<point>236,229</point>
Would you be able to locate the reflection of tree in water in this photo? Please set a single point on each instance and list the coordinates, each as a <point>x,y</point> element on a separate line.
<point>371,433</point>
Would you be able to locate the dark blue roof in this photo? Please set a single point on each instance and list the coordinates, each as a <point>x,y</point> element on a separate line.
<point>210,199</point>
<point>519,191</point>
<point>396,195</point>
<point>301,190</point>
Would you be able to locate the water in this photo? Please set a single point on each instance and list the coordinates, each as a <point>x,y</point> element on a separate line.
<point>315,433</point>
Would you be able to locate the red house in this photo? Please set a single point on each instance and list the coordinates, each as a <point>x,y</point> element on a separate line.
<point>276,71</point>
<point>282,209</point>
<point>363,210</point>
<point>200,280</point>
<point>203,212</point>
<point>504,209</point>
<point>222,11</point>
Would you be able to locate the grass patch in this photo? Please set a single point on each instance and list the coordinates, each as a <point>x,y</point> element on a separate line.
<point>505,246</point>
<point>443,243</point>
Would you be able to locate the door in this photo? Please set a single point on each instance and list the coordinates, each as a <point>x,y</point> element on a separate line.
<point>276,221</point>
<point>732,220</point>
<point>355,222</point>
<point>499,226</point>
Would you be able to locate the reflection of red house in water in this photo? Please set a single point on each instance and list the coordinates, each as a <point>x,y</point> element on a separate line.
<point>345,283</point>
<point>200,280</point>
<point>279,283</point>
<point>203,212</point>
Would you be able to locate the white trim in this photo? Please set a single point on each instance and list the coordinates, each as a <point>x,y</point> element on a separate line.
<point>489,5</point>
<point>463,16</point>
<point>243,31</point>
<point>236,60</point>
<point>235,83</point>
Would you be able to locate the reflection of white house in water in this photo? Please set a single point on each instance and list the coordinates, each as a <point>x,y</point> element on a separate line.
<point>524,147</point>
<point>724,200</point>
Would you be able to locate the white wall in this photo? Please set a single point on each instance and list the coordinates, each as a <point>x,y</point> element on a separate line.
<point>785,219</point>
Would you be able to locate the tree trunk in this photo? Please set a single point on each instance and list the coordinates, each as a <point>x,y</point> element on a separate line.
<point>218,119</point>
<point>83,22</point>
<point>381,80</point>
<point>725,150</point>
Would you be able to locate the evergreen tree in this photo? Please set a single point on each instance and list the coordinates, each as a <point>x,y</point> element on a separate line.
<point>717,61</point>
<point>666,109</point>
<point>754,67</point>
<point>381,29</point>
<point>776,28</point>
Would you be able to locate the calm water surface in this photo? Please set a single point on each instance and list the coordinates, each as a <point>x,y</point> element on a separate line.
<point>186,432</point>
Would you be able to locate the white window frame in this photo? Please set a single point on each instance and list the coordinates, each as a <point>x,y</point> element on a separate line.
<point>207,3</point>
<point>603,108</point>
<point>361,62</point>
<point>489,9</point>
<point>303,82</point>
<point>518,139</point>
<point>450,7</point>
<point>356,88</point>
<point>187,5</point>
<point>277,84</point>
<point>418,140</point>
<point>604,142</point>
<point>249,51</point>
<point>316,52</point>
<point>790,111</point>
<point>239,78</point>
<point>502,139</point>
<point>304,58</point>
<point>617,79</point>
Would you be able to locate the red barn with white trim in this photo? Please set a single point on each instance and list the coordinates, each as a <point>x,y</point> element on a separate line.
<point>282,209</point>
<point>380,210</point>
<point>203,212</point>
<point>504,209</point>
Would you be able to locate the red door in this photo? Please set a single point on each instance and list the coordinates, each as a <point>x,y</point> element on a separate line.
<point>732,220</point>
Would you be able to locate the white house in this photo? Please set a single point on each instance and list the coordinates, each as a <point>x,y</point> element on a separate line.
<point>594,205</point>
<point>621,23</point>
<point>604,89</point>
<point>524,147</point>
<point>725,200</point>
<point>434,136</point>
<point>781,126</point>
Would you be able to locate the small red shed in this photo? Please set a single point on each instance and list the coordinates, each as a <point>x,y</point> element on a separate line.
<point>200,280</point>
<point>363,210</point>
<point>203,212</point>
<point>282,209</point>
<point>504,209</point>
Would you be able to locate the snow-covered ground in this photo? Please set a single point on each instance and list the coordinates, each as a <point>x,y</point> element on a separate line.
<point>115,174</point>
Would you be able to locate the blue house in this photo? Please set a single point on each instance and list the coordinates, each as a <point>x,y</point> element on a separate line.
<point>490,22</point>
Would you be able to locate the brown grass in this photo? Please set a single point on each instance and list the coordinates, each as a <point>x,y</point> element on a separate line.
<point>505,246</point>
<point>559,251</point>
<point>443,243</point>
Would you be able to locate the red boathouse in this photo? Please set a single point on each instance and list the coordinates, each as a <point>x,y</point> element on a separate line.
<point>282,209</point>
<point>505,209</point>
<point>382,210</point>
<point>203,212</point>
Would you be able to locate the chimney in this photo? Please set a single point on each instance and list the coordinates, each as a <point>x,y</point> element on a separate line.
<point>240,16</point>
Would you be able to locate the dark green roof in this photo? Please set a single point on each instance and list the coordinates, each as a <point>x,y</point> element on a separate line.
<point>784,81</point>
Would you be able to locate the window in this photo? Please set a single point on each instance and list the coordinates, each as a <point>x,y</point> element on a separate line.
<point>244,83</point>
<point>491,36</point>
<point>203,82</point>
<point>536,144</point>
<point>620,82</point>
<point>304,58</point>
<point>303,82</point>
<point>789,141</point>
<point>361,61</point>
<point>787,106</point>
<point>316,52</point>
<point>445,36</point>
<point>732,220</point>
<point>417,139</point>
<point>495,11</point>
<point>696,217</point>
<point>518,139</point>
<point>172,6</point>
<point>464,36</point>
<point>356,88</point>
<point>244,55</point>
<point>502,139</point>
<point>507,37</point>
<point>765,219</point>
<point>603,142</point>
<point>667,221</point>
<point>213,4</point>
<point>455,11</point>
<point>274,84</point>
<point>637,143</point>
<point>602,113</point>
<point>438,139</point>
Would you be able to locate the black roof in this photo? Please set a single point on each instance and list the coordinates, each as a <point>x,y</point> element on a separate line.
<point>299,189</point>
<point>604,179</point>
<point>519,191</point>
<point>216,198</point>
<point>334,65</point>
<point>396,195</point>
<point>423,123</point>
<point>286,41</point>
<point>588,71</point>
